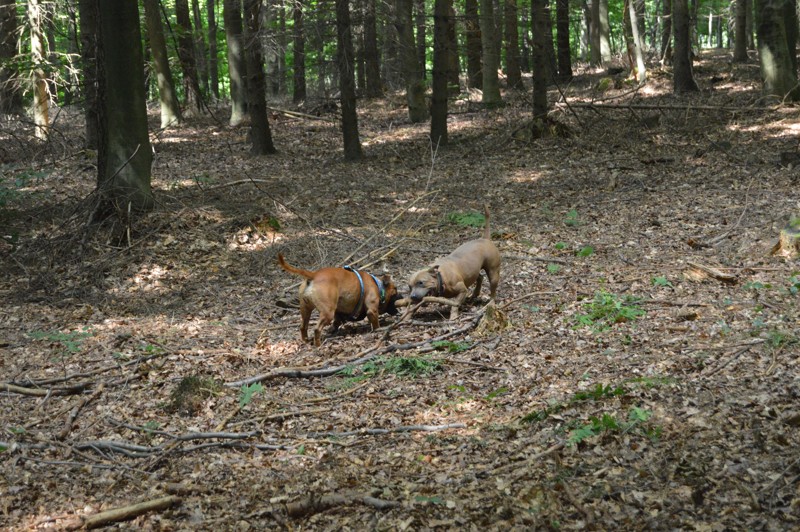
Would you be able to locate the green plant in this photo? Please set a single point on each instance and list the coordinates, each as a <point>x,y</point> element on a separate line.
<point>451,347</point>
<point>794,284</point>
<point>467,219</point>
<point>246,393</point>
<point>607,309</point>
<point>496,393</point>
<point>652,382</point>
<point>608,423</point>
<point>553,268</point>
<point>661,281</point>
<point>560,245</point>
<point>755,285</point>
<point>188,397</point>
<point>780,339</point>
<point>597,392</point>
<point>401,366</point>
<point>585,251</point>
<point>71,341</point>
<point>571,219</point>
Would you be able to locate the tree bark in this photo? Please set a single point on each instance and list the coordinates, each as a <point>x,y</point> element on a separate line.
<point>441,14</point>
<point>200,52</point>
<point>775,50</point>
<point>666,34</point>
<point>10,90</point>
<point>491,59</point>
<point>41,97</point>
<point>213,67</point>
<point>124,155</point>
<point>168,98</point>
<point>511,36</point>
<point>415,87</point>
<point>595,57</point>
<point>419,10</point>
<point>298,54</point>
<point>740,32</point>
<point>191,85</point>
<point>372,66</point>
<point>91,106</point>
<point>539,61</point>
<point>682,76</point>
<point>605,31</point>
<point>635,43</point>
<point>232,18</point>
<point>260,135</point>
<point>562,37</point>
<point>474,47</point>
<point>347,83</point>
<point>453,67</point>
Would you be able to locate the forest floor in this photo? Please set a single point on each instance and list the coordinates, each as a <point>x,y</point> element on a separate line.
<point>643,370</point>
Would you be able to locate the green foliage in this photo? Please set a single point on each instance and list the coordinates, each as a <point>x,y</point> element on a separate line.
<point>661,281</point>
<point>187,398</point>
<point>571,218</point>
<point>401,366</point>
<point>451,347</point>
<point>553,268</point>
<point>585,251</point>
<point>607,309</point>
<point>561,245</point>
<point>496,393</point>
<point>598,392</point>
<point>246,393</point>
<point>652,382</point>
<point>780,339</point>
<point>608,423</point>
<point>467,219</point>
<point>70,341</point>
<point>794,284</point>
<point>301,450</point>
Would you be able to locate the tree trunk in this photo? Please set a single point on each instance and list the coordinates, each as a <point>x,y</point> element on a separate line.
<point>562,37</point>
<point>372,66</point>
<point>298,54</point>
<point>595,57</point>
<point>10,90</point>
<point>200,52</point>
<point>682,76</point>
<point>525,53</point>
<point>41,98</point>
<point>232,18</point>
<point>550,50</point>
<point>415,87</point>
<point>491,59</point>
<point>666,34</point>
<point>213,67</point>
<point>191,85</point>
<point>260,135</point>
<point>586,24</point>
<point>636,43</point>
<point>168,98</point>
<point>775,50</point>
<point>419,9</point>
<point>605,31</point>
<point>474,47</point>
<point>790,20</point>
<point>453,67</point>
<point>513,72</point>
<point>347,83</point>
<point>539,62</point>
<point>124,155</point>
<point>91,106</point>
<point>441,14</point>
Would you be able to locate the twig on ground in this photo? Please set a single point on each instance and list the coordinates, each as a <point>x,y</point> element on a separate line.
<point>526,296</point>
<point>73,415</point>
<point>313,504</point>
<point>408,428</point>
<point>123,514</point>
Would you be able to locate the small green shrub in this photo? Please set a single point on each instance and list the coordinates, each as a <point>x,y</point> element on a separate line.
<point>571,219</point>
<point>467,219</point>
<point>607,309</point>
<point>661,282</point>
<point>246,393</point>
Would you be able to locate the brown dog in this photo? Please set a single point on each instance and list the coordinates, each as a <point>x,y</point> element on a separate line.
<point>342,294</point>
<point>451,276</point>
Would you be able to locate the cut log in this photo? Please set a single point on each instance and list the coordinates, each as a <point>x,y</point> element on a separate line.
<point>700,272</point>
<point>789,241</point>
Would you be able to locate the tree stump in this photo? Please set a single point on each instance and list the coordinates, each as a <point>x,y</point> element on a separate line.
<point>789,241</point>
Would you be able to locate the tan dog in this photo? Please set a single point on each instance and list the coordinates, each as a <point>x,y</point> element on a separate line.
<point>451,276</point>
<point>342,294</point>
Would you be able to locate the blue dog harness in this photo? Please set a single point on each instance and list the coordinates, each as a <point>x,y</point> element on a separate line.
<point>359,312</point>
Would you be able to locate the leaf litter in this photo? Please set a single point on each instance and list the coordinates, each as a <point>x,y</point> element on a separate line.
<point>120,363</point>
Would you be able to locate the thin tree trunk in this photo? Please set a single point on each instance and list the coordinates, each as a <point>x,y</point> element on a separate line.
<point>539,62</point>
<point>419,9</point>
<point>453,67</point>
<point>474,46</point>
<point>596,57</point>
<point>511,37</point>
<point>260,134</point>
<point>91,106</point>
<point>168,98</point>
<point>347,84</point>
<point>232,18</point>
<point>775,50</point>
<point>200,52</point>
<point>441,14</point>
<point>41,98</point>
<point>10,90</point>
<point>562,37</point>
<point>372,65</point>
<point>491,59</point>
<point>298,54</point>
<point>666,34</point>
<point>191,85</point>
<point>682,76</point>
<point>605,31</point>
<point>415,87</point>
<point>213,67</point>
<point>636,43</point>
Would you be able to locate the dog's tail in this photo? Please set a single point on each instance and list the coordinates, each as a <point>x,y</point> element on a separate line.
<point>487,234</point>
<point>289,268</point>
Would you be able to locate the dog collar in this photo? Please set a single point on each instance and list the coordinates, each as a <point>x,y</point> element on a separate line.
<point>381,288</point>
<point>357,311</point>
<point>439,284</point>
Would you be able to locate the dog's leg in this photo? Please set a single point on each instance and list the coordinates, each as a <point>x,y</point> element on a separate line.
<point>372,316</point>
<point>463,291</point>
<point>494,280</point>
<point>305,315</point>
<point>326,316</point>
<point>477,290</point>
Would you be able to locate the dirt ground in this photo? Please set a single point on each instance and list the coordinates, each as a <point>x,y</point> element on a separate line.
<point>639,371</point>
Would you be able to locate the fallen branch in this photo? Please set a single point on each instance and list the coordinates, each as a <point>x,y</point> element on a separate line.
<point>125,513</point>
<point>44,392</point>
<point>427,299</point>
<point>523,467</point>
<point>313,504</point>
<point>295,114</point>
<point>408,428</point>
<point>699,272</point>
<point>73,415</point>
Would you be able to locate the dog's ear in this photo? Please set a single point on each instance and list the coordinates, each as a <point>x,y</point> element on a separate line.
<point>386,278</point>
<point>433,269</point>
